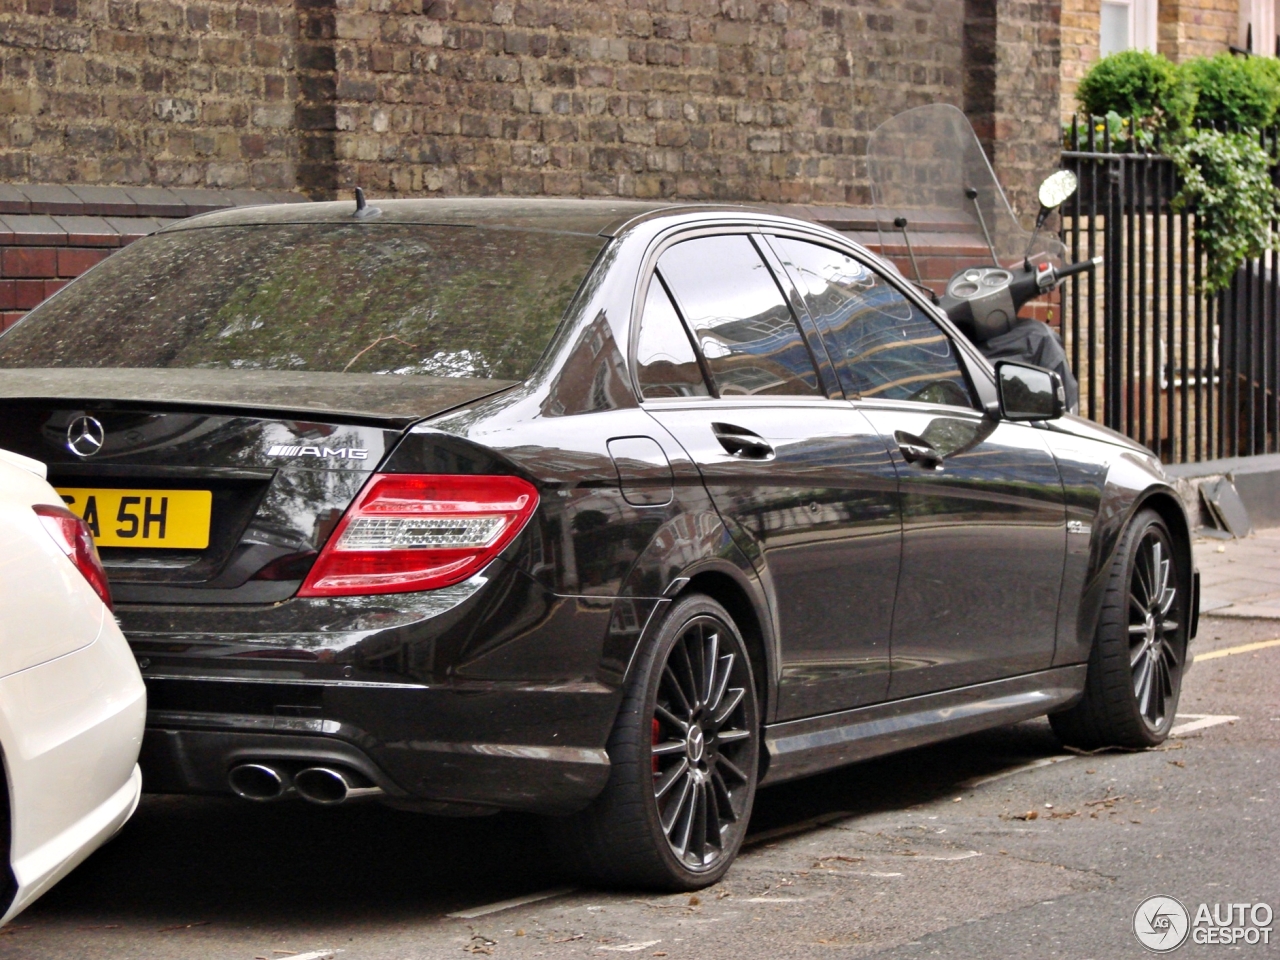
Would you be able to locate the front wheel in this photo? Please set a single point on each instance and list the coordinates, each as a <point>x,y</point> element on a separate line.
<point>684,757</point>
<point>1135,668</point>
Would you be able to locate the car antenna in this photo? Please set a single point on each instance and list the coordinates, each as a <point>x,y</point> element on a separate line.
<point>363,209</point>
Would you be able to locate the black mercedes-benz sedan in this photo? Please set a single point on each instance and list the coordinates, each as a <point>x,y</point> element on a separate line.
<point>606,511</point>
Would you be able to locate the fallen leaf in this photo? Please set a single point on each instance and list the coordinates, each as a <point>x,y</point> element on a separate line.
<point>1176,763</point>
<point>695,900</point>
<point>1029,815</point>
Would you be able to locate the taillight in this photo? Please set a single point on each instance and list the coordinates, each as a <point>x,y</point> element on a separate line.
<point>420,532</point>
<point>72,534</point>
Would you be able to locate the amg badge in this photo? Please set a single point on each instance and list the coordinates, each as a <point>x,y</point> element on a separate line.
<point>342,453</point>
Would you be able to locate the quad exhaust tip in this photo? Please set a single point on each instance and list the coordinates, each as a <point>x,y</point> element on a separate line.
<point>327,786</point>
<point>258,782</point>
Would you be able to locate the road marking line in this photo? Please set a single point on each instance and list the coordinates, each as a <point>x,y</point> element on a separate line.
<point>508,904</point>
<point>1243,648</point>
<point>1022,768</point>
<point>960,856</point>
<point>1198,721</point>
<point>866,873</point>
<point>632,947</point>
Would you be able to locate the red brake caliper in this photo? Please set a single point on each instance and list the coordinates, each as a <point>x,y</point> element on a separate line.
<point>657,732</point>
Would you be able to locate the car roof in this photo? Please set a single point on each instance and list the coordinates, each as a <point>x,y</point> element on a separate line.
<point>586,217</point>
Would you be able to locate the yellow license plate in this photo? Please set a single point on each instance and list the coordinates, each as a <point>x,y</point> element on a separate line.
<point>173,519</point>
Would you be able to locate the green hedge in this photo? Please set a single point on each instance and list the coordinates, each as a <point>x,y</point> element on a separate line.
<point>1226,176</point>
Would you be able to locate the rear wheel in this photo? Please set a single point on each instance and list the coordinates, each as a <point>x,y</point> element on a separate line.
<point>1135,667</point>
<point>684,756</point>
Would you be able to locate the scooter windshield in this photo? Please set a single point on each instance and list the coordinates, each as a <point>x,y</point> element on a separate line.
<point>927,166</point>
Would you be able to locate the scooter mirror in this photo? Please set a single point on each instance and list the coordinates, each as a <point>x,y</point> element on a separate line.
<point>1057,189</point>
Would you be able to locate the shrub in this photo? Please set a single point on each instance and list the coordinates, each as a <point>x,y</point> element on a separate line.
<point>1138,83</point>
<point>1241,91</point>
<point>1226,180</point>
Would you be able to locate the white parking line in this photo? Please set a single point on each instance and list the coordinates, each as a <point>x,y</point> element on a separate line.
<point>508,904</point>
<point>1198,721</point>
<point>1022,768</point>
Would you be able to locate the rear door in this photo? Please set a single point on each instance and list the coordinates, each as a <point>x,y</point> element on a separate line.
<point>984,525</point>
<point>802,480</point>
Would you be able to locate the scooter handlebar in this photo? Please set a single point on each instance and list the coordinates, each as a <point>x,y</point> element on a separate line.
<point>1075,268</point>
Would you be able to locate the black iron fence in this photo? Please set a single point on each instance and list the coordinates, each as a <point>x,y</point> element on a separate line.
<point>1191,375</point>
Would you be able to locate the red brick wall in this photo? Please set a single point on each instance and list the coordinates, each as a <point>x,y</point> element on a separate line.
<point>51,234</point>
<point>29,274</point>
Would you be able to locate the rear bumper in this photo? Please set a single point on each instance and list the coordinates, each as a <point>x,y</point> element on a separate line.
<point>533,749</point>
<point>491,692</point>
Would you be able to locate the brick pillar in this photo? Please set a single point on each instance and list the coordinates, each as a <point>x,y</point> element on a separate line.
<point>1012,51</point>
<point>1198,28</point>
<point>316,113</point>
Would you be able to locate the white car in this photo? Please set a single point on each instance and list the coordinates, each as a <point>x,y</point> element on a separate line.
<point>72,702</point>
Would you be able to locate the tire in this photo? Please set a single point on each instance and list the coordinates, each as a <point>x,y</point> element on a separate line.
<point>684,760</point>
<point>1135,667</point>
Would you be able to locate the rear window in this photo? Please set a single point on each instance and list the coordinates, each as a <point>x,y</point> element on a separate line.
<point>445,301</point>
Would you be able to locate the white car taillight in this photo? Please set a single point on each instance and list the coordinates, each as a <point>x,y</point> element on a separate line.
<point>72,534</point>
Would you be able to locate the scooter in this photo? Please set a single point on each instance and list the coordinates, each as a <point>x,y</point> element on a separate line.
<point>932,181</point>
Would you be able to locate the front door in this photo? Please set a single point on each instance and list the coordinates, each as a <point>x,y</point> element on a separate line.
<point>984,525</point>
<point>802,480</point>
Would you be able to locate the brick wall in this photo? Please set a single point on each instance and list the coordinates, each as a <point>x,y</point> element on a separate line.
<point>757,100</point>
<point>148,92</point>
<point>698,99</point>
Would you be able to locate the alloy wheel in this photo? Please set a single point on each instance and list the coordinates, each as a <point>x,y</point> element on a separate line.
<point>1154,630</point>
<point>702,744</point>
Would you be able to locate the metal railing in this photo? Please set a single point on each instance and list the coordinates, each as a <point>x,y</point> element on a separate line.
<point>1191,375</point>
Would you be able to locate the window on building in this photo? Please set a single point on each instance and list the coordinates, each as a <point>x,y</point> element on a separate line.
<point>1258,19</point>
<point>1126,25</point>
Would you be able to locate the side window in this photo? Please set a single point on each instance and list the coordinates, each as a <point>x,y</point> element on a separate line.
<point>884,345</point>
<point>738,318</point>
<point>665,358</point>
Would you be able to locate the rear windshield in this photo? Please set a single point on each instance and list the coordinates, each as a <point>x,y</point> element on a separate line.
<point>445,301</point>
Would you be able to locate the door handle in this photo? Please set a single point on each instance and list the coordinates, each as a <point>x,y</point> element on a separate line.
<point>918,451</point>
<point>742,443</point>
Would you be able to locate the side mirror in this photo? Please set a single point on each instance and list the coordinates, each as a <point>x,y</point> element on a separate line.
<point>1029,393</point>
<point>1056,190</point>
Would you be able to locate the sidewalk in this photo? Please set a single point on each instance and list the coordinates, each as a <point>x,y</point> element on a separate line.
<point>1240,578</point>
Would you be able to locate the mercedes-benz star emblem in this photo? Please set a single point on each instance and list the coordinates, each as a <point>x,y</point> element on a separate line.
<point>85,436</point>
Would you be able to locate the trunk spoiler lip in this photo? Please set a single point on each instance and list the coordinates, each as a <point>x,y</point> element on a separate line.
<point>352,415</point>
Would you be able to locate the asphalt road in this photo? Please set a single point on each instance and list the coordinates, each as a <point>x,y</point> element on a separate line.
<point>909,856</point>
